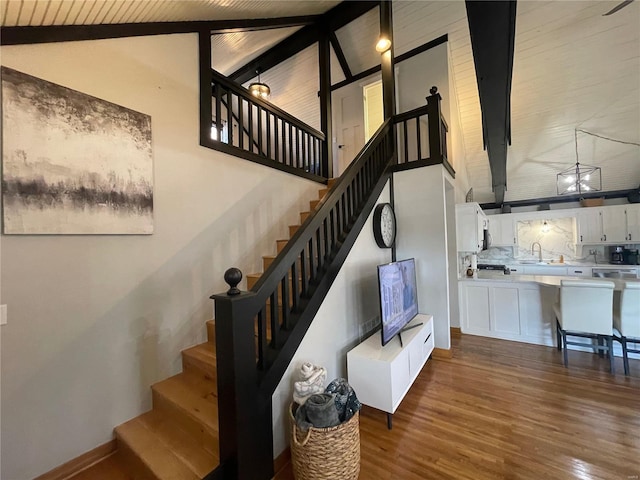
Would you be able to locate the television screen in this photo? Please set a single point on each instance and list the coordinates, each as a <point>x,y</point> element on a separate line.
<point>398,296</point>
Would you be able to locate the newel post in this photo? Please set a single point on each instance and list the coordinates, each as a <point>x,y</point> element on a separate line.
<point>244,418</point>
<point>434,118</point>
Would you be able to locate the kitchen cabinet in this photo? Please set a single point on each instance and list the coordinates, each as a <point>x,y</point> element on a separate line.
<point>512,311</point>
<point>471,222</point>
<point>544,270</point>
<point>609,225</point>
<point>502,230</point>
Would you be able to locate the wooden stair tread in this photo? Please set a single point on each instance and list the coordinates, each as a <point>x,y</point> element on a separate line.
<point>196,399</point>
<point>147,446</point>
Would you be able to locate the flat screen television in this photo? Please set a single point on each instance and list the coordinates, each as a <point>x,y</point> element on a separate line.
<point>398,297</point>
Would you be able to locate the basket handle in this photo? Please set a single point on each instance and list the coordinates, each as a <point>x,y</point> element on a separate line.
<point>295,436</point>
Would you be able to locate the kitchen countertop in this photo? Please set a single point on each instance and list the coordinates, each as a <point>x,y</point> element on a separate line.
<point>548,280</point>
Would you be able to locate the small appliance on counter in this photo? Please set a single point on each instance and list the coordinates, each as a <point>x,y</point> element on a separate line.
<point>631,256</point>
<point>616,255</point>
<point>494,267</point>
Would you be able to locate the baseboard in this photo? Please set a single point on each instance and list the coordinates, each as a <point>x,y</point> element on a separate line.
<point>282,460</point>
<point>456,332</point>
<point>442,353</point>
<point>84,461</point>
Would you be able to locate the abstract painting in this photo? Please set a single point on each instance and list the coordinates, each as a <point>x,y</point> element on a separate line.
<point>72,163</point>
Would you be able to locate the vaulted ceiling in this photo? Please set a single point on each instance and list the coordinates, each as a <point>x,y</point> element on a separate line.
<point>574,69</point>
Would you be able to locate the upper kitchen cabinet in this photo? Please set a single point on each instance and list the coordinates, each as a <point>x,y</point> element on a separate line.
<point>502,230</point>
<point>609,225</point>
<point>471,222</point>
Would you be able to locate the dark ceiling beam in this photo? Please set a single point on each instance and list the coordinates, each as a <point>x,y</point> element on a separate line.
<point>336,18</point>
<point>492,25</point>
<point>72,33</point>
<point>340,55</point>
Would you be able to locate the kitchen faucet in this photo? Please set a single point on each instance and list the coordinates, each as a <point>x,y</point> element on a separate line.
<point>533,245</point>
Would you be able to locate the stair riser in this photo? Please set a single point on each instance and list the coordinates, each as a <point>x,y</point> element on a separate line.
<point>304,216</point>
<point>211,332</point>
<point>322,192</point>
<point>135,466</point>
<point>280,244</point>
<point>199,368</point>
<point>293,229</point>
<point>206,437</point>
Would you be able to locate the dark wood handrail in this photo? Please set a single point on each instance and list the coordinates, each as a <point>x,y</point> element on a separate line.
<point>251,361</point>
<point>243,92</point>
<point>268,280</point>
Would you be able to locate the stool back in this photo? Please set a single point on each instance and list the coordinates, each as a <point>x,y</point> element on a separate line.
<point>587,306</point>
<point>627,314</point>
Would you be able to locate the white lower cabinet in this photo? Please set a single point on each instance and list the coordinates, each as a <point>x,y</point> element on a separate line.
<point>511,311</point>
<point>504,310</point>
<point>381,376</point>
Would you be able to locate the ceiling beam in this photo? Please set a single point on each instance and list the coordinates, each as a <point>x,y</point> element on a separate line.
<point>336,18</point>
<point>340,55</point>
<point>492,25</point>
<point>72,33</point>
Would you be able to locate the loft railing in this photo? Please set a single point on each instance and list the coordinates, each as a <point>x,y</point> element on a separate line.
<point>258,332</point>
<point>249,127</point>
<point>420,140</point>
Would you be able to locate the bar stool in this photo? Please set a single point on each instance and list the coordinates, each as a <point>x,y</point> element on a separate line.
<point>626,320</point>
<point>585,310</point>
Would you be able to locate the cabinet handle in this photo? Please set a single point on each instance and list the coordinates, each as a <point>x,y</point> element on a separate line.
<point>428,337</point>
<point>629,236</point>
<point>577,271</point>
<point>580,237</point>
<point>605,237</point>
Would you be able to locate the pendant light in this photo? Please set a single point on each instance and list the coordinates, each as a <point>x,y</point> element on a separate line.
<point>259,89</point>
<point>580,178</point>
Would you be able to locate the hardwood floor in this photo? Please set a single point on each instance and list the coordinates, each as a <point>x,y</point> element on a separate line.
<point>507,410</point>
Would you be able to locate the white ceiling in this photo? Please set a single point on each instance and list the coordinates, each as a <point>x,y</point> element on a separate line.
<point>88,12</point>
<point>573,69</point>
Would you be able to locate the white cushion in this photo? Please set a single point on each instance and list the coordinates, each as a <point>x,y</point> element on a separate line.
<point>586,306</point>
<point>626,314</point>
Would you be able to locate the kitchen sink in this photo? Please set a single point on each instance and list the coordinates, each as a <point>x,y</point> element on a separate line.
<point>532,262</point>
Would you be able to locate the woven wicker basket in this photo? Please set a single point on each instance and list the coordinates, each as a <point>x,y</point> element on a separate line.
<point>326,453</point>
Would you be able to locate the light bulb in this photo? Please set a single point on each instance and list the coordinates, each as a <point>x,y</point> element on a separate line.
<point>569,180</point>
<point>383,45</point>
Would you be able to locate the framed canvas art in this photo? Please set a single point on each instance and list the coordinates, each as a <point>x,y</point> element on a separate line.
<point>72,163</point>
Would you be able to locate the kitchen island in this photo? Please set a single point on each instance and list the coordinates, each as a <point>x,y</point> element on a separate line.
<point>514,307</point>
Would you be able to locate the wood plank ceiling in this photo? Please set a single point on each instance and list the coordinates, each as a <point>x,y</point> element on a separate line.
<point>93,12</point>
<point>573,69</point>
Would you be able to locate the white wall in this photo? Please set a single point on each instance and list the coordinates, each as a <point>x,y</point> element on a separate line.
<point>415,76</point>
<point>420,201</point>
<point>95,320</point>
<point>295,84</point>
<point>349,310</point>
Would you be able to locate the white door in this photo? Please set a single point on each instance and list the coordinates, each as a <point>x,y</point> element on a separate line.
<point>373,108</point>
<point>351,130</point>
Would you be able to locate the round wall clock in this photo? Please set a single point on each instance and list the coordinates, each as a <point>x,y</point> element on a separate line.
<point>384,225</point>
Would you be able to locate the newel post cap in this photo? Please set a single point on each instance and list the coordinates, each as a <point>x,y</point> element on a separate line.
<point>233,276</point>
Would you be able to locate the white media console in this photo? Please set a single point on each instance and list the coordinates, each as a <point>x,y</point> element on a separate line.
<point>381,376</point>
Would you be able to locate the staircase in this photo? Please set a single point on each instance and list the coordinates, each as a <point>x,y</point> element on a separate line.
<point>178,438</point>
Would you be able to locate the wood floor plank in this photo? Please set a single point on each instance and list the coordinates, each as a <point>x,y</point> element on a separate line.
<point>507,410</point>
